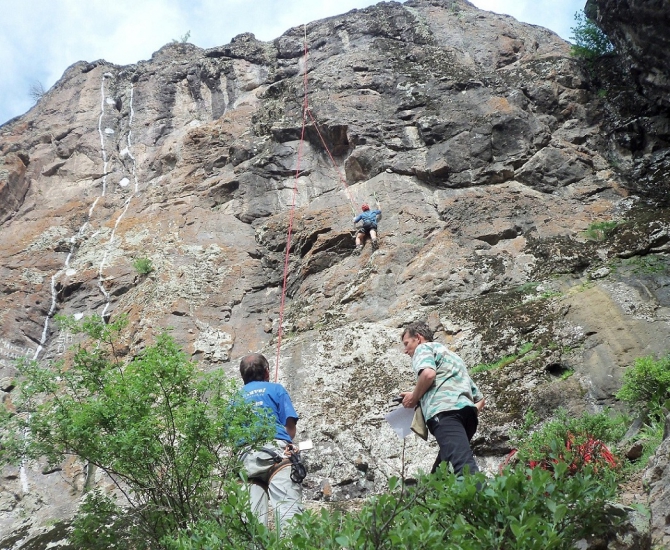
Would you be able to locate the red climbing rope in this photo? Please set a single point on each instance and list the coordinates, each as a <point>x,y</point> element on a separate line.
<point>291,215</point>
<point>344,182</point>
<point>305,111</point>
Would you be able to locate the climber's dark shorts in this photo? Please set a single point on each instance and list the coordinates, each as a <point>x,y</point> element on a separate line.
<point>366,230</point>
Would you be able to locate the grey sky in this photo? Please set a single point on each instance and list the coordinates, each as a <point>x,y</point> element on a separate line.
<point>39,39</point>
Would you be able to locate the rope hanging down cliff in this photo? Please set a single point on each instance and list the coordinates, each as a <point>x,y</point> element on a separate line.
<point>305,112</point>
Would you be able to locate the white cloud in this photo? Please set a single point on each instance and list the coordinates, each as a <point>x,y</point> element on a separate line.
<point>39,39</point>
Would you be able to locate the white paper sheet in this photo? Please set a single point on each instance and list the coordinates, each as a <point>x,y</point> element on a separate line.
<point>401,421</point>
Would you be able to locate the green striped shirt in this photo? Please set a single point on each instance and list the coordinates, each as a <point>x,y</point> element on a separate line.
<point>453,388</point>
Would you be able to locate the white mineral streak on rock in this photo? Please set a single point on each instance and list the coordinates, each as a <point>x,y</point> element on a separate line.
<point>130,132</point>
<point>22,471</point>
<point>123,183</point>
<point>52,309</point>
<point>102,137</point>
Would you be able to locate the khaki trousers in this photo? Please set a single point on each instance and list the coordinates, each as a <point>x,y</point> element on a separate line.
<point>284,494</point>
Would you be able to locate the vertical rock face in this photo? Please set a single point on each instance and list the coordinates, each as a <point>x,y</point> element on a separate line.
<point>656,477</point>
<point>636,83</point>
<point>639,29</point>
<point>486,151</point>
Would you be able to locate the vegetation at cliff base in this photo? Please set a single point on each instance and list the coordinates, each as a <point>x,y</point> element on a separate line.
<point>646,385</point>
<point>520,508</point>
<point>168,436</point>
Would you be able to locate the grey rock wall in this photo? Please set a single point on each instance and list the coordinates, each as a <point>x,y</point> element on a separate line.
<point>488,152</point>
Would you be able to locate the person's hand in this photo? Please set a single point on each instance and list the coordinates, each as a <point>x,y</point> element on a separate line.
<point>408,400</point>
<point>394,403</point>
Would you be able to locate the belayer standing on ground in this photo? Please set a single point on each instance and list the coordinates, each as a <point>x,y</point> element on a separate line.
<point>450,400</point>
<point>369,227</point>
<point>272,469</point>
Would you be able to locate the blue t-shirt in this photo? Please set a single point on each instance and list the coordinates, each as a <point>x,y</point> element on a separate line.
<point>275,398</point>
<point>369,218</point>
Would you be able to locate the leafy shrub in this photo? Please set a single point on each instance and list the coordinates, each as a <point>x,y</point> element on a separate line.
<point>100,524</point>
<point>577,441</point>
<point>168,436</point>
<point>646,386</point>
<point>520,509</point>
<point>143,266</point>
<point>590,42</point>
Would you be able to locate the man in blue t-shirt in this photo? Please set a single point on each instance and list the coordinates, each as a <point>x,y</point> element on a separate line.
<point>369,227</point>
<point>268,477</point>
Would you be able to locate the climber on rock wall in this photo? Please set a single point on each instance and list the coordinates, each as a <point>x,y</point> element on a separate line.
<point>369,227</point>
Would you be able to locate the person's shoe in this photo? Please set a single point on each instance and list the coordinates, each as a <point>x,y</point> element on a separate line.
<point>357,251</point>
<point>375,244</point>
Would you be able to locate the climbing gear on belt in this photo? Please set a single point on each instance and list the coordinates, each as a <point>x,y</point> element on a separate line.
<point>290,457</point>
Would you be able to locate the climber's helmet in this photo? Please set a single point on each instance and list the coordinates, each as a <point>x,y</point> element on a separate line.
<point>365,208</point>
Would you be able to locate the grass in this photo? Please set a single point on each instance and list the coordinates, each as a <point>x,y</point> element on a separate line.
<point>527,288</point>
<point>599,231</point>
<point>504,361</point>
<point>581,287</point>
<point>143,266</point>
<point>415,241</point>
<point>531,288</point>
<point>648,265</point>
<point>550,294</point>
<point>567,373</point>
<point>651,437</point>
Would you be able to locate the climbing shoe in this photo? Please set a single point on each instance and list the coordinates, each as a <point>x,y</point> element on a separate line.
<point>357,251</point>
<point>375,245</point>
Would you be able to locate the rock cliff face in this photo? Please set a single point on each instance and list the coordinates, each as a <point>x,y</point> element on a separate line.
<point>482,141</point>
<point>636,82</point>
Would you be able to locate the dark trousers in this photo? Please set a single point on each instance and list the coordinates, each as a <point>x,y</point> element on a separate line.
<point>453,431</point>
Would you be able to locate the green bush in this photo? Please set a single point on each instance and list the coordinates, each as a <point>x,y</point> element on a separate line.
<point>167,435</point>
<point>143,266</point>
<point>646,385</point>
<point>101,524</point>
<point>562,437</point>
<point>520,509</point>
<point>590,42</point>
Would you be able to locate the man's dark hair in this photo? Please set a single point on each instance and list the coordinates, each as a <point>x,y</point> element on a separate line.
<point>253,368</point>
<point>418,328</point>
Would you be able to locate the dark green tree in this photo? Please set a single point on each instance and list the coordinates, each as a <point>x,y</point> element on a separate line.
<point>589,41</point>
<point>167,435</point>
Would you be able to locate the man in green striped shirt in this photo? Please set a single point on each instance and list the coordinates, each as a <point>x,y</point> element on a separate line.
<point>450,400</point>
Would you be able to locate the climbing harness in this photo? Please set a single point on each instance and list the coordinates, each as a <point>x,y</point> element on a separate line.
<point>290,456</point>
